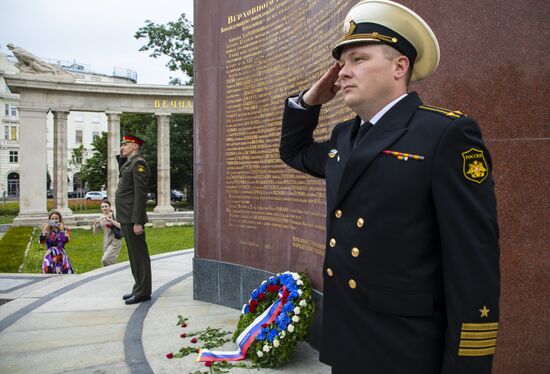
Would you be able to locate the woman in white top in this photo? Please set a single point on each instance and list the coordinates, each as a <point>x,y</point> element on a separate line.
<point>107,223</point>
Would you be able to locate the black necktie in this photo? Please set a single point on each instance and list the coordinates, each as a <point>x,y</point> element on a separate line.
<point>362,131</point>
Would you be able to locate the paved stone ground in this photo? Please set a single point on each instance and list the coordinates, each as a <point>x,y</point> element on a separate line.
<point>79,323</point>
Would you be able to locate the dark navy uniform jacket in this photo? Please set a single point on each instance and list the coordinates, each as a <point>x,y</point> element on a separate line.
<point>411,269</point>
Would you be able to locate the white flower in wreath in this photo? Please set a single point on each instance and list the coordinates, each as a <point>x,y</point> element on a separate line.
<point>275,343</point>
<point>282,335</point>
<point>290,328</point>
<point>295,319</point>
<point>296,276</point>
<point>302,303</point>
<point>300,292</point>
<point>260,353</point>
<point>266,348</point>
<point>297,310</point>
<point>299,282</point>
<point>264,282</point>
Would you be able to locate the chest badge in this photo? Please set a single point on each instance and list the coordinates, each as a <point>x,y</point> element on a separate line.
<point>474,165</point>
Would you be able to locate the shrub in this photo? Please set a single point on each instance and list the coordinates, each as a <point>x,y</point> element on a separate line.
<point>9,209</point>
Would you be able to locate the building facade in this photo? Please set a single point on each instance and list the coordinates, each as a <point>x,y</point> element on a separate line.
<point>82,127</point>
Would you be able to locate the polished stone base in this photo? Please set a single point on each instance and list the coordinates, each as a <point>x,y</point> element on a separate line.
<point>231,284</point>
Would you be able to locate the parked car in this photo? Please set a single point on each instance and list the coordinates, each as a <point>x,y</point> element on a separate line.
<point>96,195</point>
<point>176,195</point>
<point>72,194</point>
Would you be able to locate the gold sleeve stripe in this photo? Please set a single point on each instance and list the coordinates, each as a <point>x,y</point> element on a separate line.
<point>476,352</point>
<point>478,335</point>
<point>478,343</point>
<point>480,326</point>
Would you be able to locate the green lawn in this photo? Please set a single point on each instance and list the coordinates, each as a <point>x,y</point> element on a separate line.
<point>85,249</point>
<point>12,248</point>
<point>10,209</point>
<point>6,219</point>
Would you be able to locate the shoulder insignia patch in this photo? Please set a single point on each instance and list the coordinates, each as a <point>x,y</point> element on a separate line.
<point>442,111</point>
<point>140,169</point>
<point>474,165</point>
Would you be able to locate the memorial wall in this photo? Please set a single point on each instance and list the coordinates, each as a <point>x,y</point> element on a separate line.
<point>255,216</point>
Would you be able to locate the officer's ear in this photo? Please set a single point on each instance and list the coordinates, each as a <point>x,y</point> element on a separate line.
<point>402,65</point>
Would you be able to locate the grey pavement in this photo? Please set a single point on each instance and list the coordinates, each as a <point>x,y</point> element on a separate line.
<point>79,323</point>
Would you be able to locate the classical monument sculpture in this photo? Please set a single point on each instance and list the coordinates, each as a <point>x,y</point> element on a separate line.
<point>29,63</point>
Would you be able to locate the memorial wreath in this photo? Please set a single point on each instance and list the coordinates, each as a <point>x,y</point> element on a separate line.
<point>273,321</point>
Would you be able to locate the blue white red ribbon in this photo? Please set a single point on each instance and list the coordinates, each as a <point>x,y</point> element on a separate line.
<point>247,337</point>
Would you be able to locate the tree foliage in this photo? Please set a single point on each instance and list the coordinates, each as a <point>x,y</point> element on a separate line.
<point>181,152</point>
<point>181,146</point>
<point>174,40</point>
<point>94,171</point>
<point>144,126</point>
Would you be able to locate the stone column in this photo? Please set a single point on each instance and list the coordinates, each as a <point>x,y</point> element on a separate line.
<point>163,164</point>
<point>60,164</point>
<point>113,149</point>
<point>33,168</point>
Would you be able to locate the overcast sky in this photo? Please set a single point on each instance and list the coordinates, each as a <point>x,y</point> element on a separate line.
<point>99,33</point>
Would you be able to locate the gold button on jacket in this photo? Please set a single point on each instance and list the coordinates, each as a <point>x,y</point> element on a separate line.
<point>355,251</point>
<point>332,242</point>
<point>329,272</point>
<point>352,283</point>
<point>338,213</point>
<point>360,222</point>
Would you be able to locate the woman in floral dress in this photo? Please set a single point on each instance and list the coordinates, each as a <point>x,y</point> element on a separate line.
<point>55,236</point>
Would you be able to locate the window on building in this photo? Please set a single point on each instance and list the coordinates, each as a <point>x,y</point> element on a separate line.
<point>78,136</point>
<point>13,184</point>
<point>13,111</point>
<point>14,156</point>
<point>6,109</point>
<point>13,133</point>
<point>95,117</point>
<point>7,132</point>
<point>95,135</point>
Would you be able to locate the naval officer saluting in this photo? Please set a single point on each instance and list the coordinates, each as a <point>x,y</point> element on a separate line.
<point>411,270</point>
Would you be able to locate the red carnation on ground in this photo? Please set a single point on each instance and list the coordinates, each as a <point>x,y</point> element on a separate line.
<point>184,325</point>
<point>184,335</point>
<point>194,340</point>
<point>208,363</point>
<point>170,355</point>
